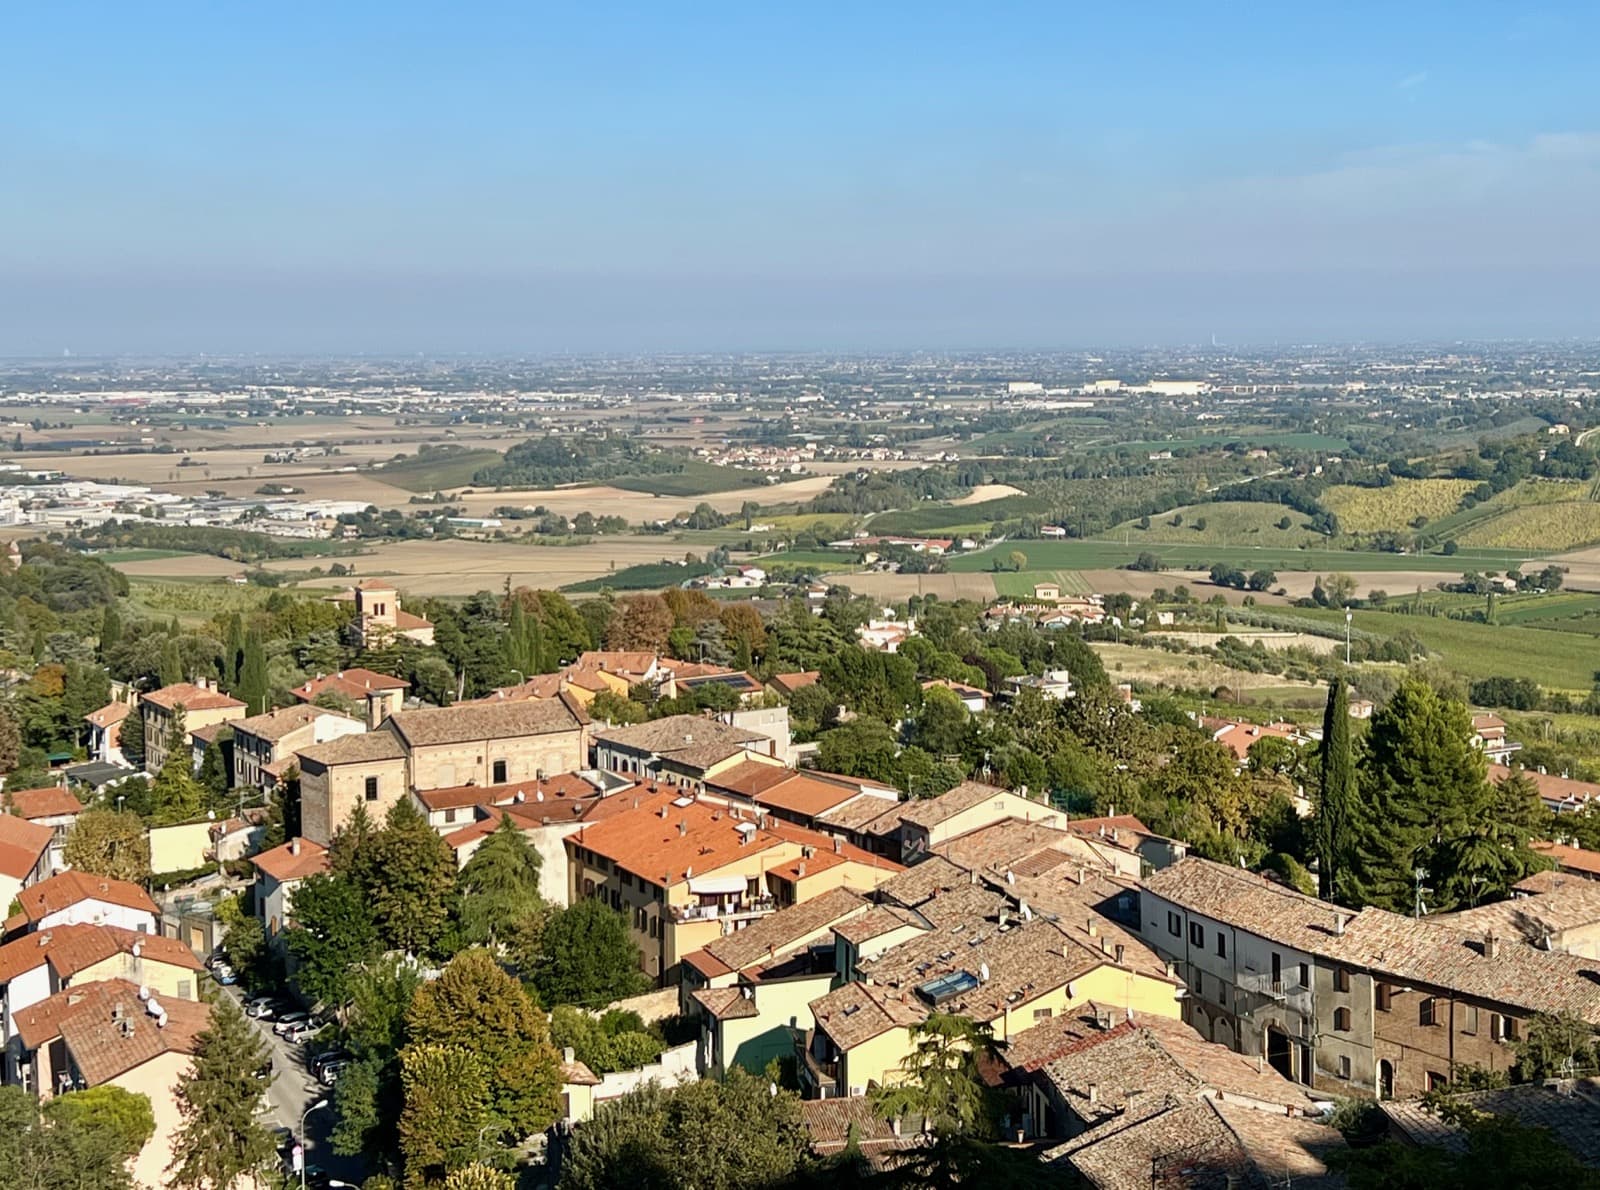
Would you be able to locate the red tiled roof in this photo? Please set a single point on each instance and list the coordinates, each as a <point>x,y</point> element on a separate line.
<point>1571,859</point>
<point>66,889</point>
<point>562,787</point>
<point>283,864</point>
<point>22,845</point>
<point>112,712</point>
<point>108,1029</point>
<point>48,802</point>
<point>351,684</point>
<point>191,698</point>
<point>70,949</point>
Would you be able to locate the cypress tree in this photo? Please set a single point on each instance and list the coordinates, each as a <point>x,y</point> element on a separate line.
<point>1337,800</point>
<point>171,663</point>
<point>110,629</point>
<point>233,656</point>
<point>222,1137</point>
<point>252,685</point>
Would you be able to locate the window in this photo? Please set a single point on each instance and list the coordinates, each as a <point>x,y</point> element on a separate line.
<point>1305,975</point>
<point>627,879</point>
<point>616,900</point>
<point>1222,945</point>
<point>1437,1081</point>
<point>1426,1012</point>
<point>1041,1014</point>
<point>1341,979</point>
<point>1173,926</point>
<point>1197,934</point>
<point>372,789</point>
<point>499,772</point>
<point>1277,969</point>
<point>1344,1066</point>
<point>184,990</point>
<point>1385,997</point>
<point>449,816</point>
<point>1341,1020</point>
<point>1469,1019</point>
<point>1502,1028</point>
<point>655,928</point>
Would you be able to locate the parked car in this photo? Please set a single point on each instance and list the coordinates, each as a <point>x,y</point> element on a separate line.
<point>329,1074</point>
<point>302,1031</point>
<point>262,1008</point>
<point>288,1021</point>
<point>224,975</point>
<point>318,1061</point>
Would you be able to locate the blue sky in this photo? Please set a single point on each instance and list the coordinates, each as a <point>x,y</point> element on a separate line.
<point>539,177</point>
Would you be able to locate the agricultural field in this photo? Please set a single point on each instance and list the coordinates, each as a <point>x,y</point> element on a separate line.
<point>647,576</point>
<point>1225,523</point>
<point>1101,554</point>
<point>1157,667</point>
<point>1545,528</point>
<point>822,560</point>
<point>695,479</point>
<point>436,471</point>
<point>1265,438</point>
<point>637,507</point>
<point>1020,585</point>
<point>1393,508</point>
<point>957,517</point>
<point>1479,650</point>
<point>896,588</point>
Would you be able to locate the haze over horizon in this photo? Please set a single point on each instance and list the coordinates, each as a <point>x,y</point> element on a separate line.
<point>507,178</point>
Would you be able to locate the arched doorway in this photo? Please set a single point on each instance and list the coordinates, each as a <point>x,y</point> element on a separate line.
<point>1280,1052</point>
<point>1385,1079</point>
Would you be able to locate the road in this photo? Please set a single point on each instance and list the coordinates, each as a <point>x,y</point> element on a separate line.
<point>292,1091</point>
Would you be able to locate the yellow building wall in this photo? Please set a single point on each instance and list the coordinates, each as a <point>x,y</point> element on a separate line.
<point>1104,985</point>
<point>579,1099</point>
<point>875,1061</point>
<point>163,979</point>
<point>986,813</point>
<point>752,1042</point>
<point>445,765</point>
<point>179,848</point>
<point>327,800</point>
<point>157,1078</point>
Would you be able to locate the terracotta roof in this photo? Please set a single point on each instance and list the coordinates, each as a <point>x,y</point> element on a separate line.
<point>727,1004</point>
<point>51,801</point>
<point>22,845</point>
<point>834,1122</point>
<point>676,733</point>
<point>789,683</point>
<point>1553,790</point>
<point>707,965</point>
<point>360,748</point>
<point>560,788</point>
<point>932,811</point>
<point>923,881</point>
<point>858,1012</point>
<point>624,664</point>
<point>351,684</point>
<point>1237,736</point>
<point>374,584</point>
<point>283,865</point>
<point>404,620</point>
<point>1249,902</point>
<point>108,1029</point>
<point>537,686</point>
<point>576,1074</point>
<point>774,935</point>
<point>867,814</point>
<point>191,698</point>
<point>750,777</point>
<point>210,732</point>
<point>1571,1112</point>
<point>809,796</point>
<point>70,949</point>
<point>66,889</point>
<point>876,922</point>
<point>1571,859</point>
<point>112,712</point>
<point>486,721</point>
<point>274,725</point>
<point>1011,842</point>
<point>1569,902</point>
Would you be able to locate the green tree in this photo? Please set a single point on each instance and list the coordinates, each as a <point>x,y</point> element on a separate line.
<point>124,1118</point>
<point>216,768</point>
<point>499,885</point>
<point>1557,1045</point>
<point>333,930</point>
<point>221,1139</point>
<point>171,668</point>
<point>615,1041</point>
<point>109,843</point>
<point>131,739</point>
<point>367,1098</point>
<point>697,1136</point>
<point>175,796</point>
<point>246,945</point>
<point>585,955</point>
<point>941,1082</point>
<point>1336,795</point>
<point>253,687</point>
<point>409,877</point>
<point>1018,560</point>
<point>60,1148</point>
<point>943,725</point>
<point>478,1176</point>
<point>476,1007</point>
<point>110,629</point>
<point>864,747</point>
<point>445,1092</point>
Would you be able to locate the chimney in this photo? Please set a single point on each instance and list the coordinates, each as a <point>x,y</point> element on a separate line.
<point>1491,946</point>
<point>1094,1094</point>
<point>567,1054</point>
<point>1121,951</point>
<point>838,845</point>
<point>377,709</point>
<point>1340,920</point>
<point>1094,930</point>
<point>683,827</point>
<point>294,845</point>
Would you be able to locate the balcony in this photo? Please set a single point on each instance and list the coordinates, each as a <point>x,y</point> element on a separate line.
<point>742,909</point>
<point>815,1072</point>
<point>1291,994</point>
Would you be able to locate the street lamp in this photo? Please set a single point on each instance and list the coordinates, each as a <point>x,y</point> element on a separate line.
<point>1348,616</point>
<point>317,1106</point>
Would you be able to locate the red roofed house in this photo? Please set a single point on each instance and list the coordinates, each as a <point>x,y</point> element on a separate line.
<point>199,702</point>
<point>24,854</point>
<point>51,806</point>
<point>281,870</point>
<point>107,1033</point>
<point>105,732</point>
<point>380,694</point>
<point>688,870</point>
<point>71,898</point>
<point>379,617</point>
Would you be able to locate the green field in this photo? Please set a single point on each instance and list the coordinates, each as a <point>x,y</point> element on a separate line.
<point>1549,528</point>
<point>1479,650</point>
<point>437,470</point>
<point>647,576</point>
<point>1227,522</point>
<point>1266,438</point>
<point>815,559</point>
<point>694,479</point>
<point>111,557</point>
<point>951,518</point>
<point>1106,555</point>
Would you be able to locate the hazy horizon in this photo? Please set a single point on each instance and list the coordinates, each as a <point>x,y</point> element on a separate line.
<point>502,179</point>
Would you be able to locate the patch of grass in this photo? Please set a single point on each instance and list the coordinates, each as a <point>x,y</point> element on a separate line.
<point>436,470</point>
<point>1392,508</point>
<point>1106,555</point>
<point>114,556</point>
<point>647,576</point>
<point>1544,527</point>
<point>1227,522</point>
<point>693,479</point>
<point>1267,438</point>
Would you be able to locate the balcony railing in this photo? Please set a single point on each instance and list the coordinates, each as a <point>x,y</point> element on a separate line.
<point>1292,994</point>
<point>750,907</point>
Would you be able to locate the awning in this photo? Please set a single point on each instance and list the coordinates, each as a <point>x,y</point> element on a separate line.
<point>717,885</point>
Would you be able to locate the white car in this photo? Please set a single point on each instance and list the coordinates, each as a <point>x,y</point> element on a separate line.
<point>288,1021</point>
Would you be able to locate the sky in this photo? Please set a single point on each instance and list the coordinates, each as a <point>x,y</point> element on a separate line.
<point>403,177</point>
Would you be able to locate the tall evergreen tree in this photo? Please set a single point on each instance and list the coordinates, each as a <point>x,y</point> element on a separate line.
<point>132,738</point>
<point>171,670</point>
<point>253,686</point>
<point>409,875</point>
<point>233,654</point>
<point>110,629</point>
<point>499,885</point>
<point>221,1139</point>
<point>1336,800</point>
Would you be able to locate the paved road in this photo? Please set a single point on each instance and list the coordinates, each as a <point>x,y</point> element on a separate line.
<point>292,1091</point>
